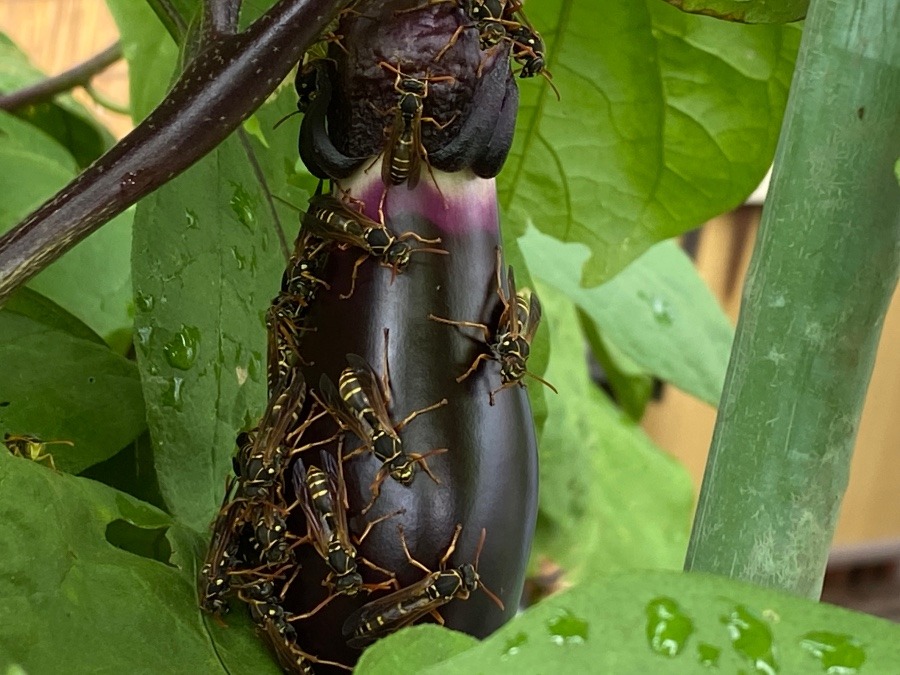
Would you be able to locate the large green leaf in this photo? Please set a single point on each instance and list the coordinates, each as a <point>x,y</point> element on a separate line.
<point>207,262</point>
<point>610,500</point>
<point>660,622</point>
<point>96,581</point>
<point>151,53</point>
<point>63,119</point>
<point>657,312</point>
<point>666,119</point>
<point>57,385</point>
<point>93,280</point>
<point>746,11</point>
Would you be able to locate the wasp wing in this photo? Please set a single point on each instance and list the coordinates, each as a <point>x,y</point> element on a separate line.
<point>387,158</point>
<point>339,410</point>
<point>533,319</point>
<point>415,157</point>
<point>371,388</point>
<point>313,519</point>
<point>282,412</point>
<point>390,613</point>
<point>339,497</point>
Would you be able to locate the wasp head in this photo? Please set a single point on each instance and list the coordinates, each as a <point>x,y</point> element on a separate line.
<point>397,255</point>
<point>348,583</point>
<point>469,576</point>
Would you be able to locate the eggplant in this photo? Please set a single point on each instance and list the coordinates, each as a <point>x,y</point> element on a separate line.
<point>487,477</point>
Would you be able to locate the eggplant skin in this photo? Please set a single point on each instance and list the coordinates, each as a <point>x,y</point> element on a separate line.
<point>472,93</point>
<point>488,476</point>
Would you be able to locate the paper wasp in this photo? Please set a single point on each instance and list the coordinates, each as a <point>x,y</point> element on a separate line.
<point>281,637</point>
<point>331,219</point>
<point>361,406</point>
<point>32,447</point>
<point>401,608</point>
<point>264,452</point>
<point>404,151</point>
<point>323,497</point>
<point>221,558</point>
<point>510,342</point>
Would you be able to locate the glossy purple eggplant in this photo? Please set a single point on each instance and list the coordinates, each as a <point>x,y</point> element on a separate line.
<point>488,475</point>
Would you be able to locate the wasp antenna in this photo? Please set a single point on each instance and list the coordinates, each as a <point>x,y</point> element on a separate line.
<point>542,381</point>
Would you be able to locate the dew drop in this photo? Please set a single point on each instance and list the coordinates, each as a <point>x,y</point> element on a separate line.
<point>708,655</point>
<point>839,654</point>
<point>240,259</point>
<point>181,350</point>
<point>255,367</point>
<point>242,205</point>
<point>128,180</point>
<point>144,333</point>
<point>660,308</point>
<point>752,639</point>
<point>668,628</point>
<point>514,645</point>
<point>144,301</point>
<point>191,220</point>
<point>173,395</point>
<point>568,629</point>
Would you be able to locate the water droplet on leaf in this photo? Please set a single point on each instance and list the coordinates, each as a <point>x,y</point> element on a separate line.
<point>839,654</point>
<point>752,639</point>
<point>255,366</point>
<point>181,350</point>
<point>242,205</point>
<point>144,334</point>
<point>514,645</point>
<point>568,629</point>
<point>708,655</point>
<point>668,628</point>
<point>172,396</point>
<point>659,308</point>
<point>191,219</point>
<point>240,259</point>
<point>143,301</point>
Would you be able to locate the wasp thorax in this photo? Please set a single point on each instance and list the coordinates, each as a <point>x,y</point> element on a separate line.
<point>378,240</point>
<point>348,584</point>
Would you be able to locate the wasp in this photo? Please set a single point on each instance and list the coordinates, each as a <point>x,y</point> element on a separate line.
<point>263,452</point>
<point>332,219</point>
<point>32,447</point>
<point>323,497</point>
<point>401,608</point>
<point>404,152</point>
<point>281,638</point>
<point>510,342</point>
<point>221,558</point>
<point>361,406</point>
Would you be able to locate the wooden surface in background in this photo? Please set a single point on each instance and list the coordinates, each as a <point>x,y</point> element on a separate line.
<point>56,34</point>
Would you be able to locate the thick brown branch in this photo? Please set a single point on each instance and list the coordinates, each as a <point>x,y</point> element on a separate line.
<point>217,91</point>
<point>79,76</point>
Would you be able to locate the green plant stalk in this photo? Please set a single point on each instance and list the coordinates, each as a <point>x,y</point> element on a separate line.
<point>823,272</point>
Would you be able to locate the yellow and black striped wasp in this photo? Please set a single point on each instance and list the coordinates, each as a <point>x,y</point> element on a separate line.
<point>510,342</point>
<point>404,152</point>
<point>392,612</point>
<point>32,447</point>
<point>330,218</point>
<point>323,497</point>
<point>221,558</point>
<point>361,406</point>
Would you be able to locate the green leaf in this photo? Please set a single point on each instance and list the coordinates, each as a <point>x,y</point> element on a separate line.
<point>413,650</point>
<point>151,53</point>
<point>43,310</point>
<point>610,500</point>
<point>746,11</point>
<point>666,119</point>
<point>670,622</point>
<point>631,387</point>
<point>207,262</point>
<point>63,119</point>
<point>93,280</point>
<point>108,580</point>
<point>58,386</point>
<point>656,312</point>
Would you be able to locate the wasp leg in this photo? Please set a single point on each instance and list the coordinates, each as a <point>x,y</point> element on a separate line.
<point>464,324</point>
<point>413,415</point>
<point>359,261</point>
